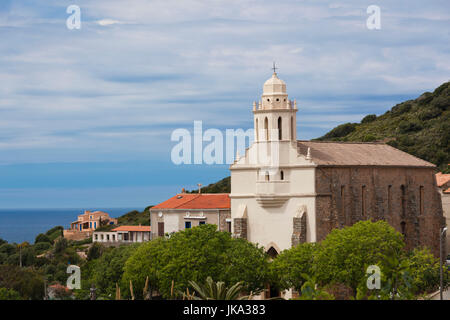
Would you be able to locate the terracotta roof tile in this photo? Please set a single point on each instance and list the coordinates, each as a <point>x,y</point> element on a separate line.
<point>358,154</point>
<point>133,228</point>
<point>442,179</point>
<point>196,201</point>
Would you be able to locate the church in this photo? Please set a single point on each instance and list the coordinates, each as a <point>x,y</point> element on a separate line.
<point>286,191</point>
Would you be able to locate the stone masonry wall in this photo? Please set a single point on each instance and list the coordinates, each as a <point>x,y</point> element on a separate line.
<point>391,194</point>
<point>240,227</point>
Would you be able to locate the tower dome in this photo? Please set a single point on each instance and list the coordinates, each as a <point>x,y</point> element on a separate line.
<point>274,86</point>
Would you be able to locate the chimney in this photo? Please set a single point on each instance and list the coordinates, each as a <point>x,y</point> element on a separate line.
<point>199,187</point>
<point>183,190</point>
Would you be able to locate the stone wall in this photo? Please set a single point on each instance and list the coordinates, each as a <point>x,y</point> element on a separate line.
<point>299,232</point>
<point>240,227</point>
<point>407,198</point>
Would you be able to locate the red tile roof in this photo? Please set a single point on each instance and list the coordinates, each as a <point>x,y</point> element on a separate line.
<point>196,201</point>
<point>133,228</point>
<point>442,179</point>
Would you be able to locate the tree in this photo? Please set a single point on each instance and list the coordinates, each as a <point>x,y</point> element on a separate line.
<point>216,291</point>
<point>107,270</point>
<point>345,254</point>
<point>9,294</point>
<point>60,245</point>
<point>424,269</point>
<point>194,254</point>
<point>42,238</point>
<point>290,266</point>
<point>23,280</point>
<point>95,251</point>
<point>311,291</point>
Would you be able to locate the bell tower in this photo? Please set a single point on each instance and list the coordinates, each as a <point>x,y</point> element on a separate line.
<point>275,115</point>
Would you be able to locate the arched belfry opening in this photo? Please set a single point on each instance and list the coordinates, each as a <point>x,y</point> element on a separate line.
<point>266,128</point>
<point>256,127</point>
<point>279,128</point>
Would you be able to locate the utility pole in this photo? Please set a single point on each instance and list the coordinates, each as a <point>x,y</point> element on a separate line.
<point>441,256</point>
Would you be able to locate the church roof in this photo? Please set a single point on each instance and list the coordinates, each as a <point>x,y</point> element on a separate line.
<point>328,153</point>
<point>196,201</point>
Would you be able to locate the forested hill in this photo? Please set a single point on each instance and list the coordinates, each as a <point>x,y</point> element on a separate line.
<point>420,127</point>
<point>222,186</point>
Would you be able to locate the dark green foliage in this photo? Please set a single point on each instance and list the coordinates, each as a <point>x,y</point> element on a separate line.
<point>60,245</point>
<point>340,131</point>
<point>95,251</point>
<point>8,249</point>
<point>55,233</point>
<point>9,294</point>
<point>369,118</point>
<point>106,271</point>
<point>135,218</point>
<point>195,254</point>
<point>42,238</point>
<point>289,268</point>
<point>2,241</point>
<point>222,186</point>
<point>27,282</point>
<point>346,253</point>
<point>420,127</point>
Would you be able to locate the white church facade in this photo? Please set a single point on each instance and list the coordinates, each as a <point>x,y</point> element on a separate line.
<point>285,192</point>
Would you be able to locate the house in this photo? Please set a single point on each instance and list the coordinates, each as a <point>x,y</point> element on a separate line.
<point>123,235</point>
<point>443,183</point>
<point>285,192</point>
<point>86,223</point>
<point>187,210</point>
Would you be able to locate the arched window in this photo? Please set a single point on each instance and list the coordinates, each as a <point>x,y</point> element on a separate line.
<point>256,129</point>
<point>403,228</point>
<point>266,128</point>
<point>267,176</point>
<point>279,128</point>
<point>272,252</point>
<point>281,175</point>
<point>363,201</point>
<point>403,199</point>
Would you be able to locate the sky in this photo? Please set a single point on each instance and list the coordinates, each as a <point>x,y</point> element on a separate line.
<point>86,115</point>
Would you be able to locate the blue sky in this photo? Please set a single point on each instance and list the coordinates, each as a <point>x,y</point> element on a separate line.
<point>86,115</point>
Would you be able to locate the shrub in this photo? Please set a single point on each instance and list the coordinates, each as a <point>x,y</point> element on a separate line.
<point>194,254</point>
<point>369,118</point>
<point>42,238</point>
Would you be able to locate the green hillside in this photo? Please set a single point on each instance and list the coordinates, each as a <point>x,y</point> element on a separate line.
<point>420,127</point>
<point>222,186</point>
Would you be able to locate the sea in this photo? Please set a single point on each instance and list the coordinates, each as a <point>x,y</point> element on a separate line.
<point>19,225</point>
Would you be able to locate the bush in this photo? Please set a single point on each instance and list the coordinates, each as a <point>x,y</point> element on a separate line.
<point>194,254</point>
<point>9,294</point>
<point>23,280</point>
<point>369,118</point>
<point>95,251</point>
<point>42,246</point>
<point>406,126</point>
<point>60,245</point>
<point>42,238</point>
<point>289,268</point>
<point>345,254</point>
<point>340,131</point>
